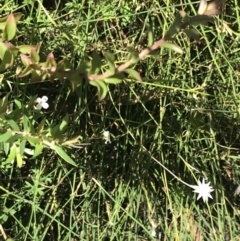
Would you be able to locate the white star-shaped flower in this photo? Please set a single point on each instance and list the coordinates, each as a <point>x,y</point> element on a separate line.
<point>203,189</point>
<point>106,137</point>
<point>42,103</point>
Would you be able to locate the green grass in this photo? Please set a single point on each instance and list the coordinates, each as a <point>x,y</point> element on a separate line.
<point>183,119</point>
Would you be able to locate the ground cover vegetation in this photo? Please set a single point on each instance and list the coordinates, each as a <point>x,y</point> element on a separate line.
<point>112,113</point>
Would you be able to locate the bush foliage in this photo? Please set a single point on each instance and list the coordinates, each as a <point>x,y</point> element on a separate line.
<point>110,111</point>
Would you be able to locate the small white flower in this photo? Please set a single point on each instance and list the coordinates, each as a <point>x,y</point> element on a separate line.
<point>203,189</point>
<point>106,137</point>
<point>42,103</point>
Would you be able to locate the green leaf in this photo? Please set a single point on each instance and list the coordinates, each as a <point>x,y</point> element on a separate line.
<point>15,138</point>
<point>28,70</point>
<point>199,19</point>
<point>150,36</point>
<point>64,124</point>
<point>7,61</point>
<point>50,62</point>
<point>10,28</point>
<point>31,102</point>
<point>84,67</point>
<point>172,46</point>
<point>12,154</point>
<point>6,147</point>
<point>3,20</point>
<point>63,154</point>
<point>96,63</point>
<point>134,74</point>
<point>41,126</point>
<point>33,140</point>
<point>25,60</point>
<point>19,160</point>
<point>34,56</point>
<point>4,104</point>
<point>22,147</point>
<point>3,49</point>
<point>110,60</point>
<point>38,76</point>
<point>26,124</point>
<point>133,55</point>
<point>18,104</point>
<point>26,49</point>
<point>102,88</point>
<point>6,136</point>
<point>6,57</point>
<point>192,33</point>
<point>14,125</point>
<point>113,81</point>
<point>59,129</point>
<point>38,149</point>
<point>174,28</point>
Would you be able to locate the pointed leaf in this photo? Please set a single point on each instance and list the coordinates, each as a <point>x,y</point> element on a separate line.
<point>71,142</point>
<point>3,49</point>
<point>3,20</point>
<point>64,124</point>
<point>22,147</point>
<point>96,63</point>
<point>12,154</point>
<point>19,160</point>
<point>150,36</point>
<point>50,62</point>
<point>199,19</point>
<point>6,147</point>
<point>25,60</point>
<point>175,27</point>
<point>38,149</point>
<point>26,49</point>
<point>192,33</point>
<point>172,46</point>
<point>14,125</point>
<point>63,155</point>
<point>7,61</point>
<point>110,60</point>
<point>63,65</point>
<point>59,129</point>
<point>41,126</point>
<point>134,74</point>
<point>28,70</point>
<point>113,81</point>
<point>10,28</point>
<point>6,136</point>
<point>34,56</point>
<point>38,76</point>
<point>33,140</point>
<point>102,88</point>
<point>26,124</point>
<point>133,55</point>
<point>4,104</point>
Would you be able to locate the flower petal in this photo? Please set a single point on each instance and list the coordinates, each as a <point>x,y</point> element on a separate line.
<point>39,100</point>
<point>39,106</point>
<point>44,98</point>
<point>45,105</point>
